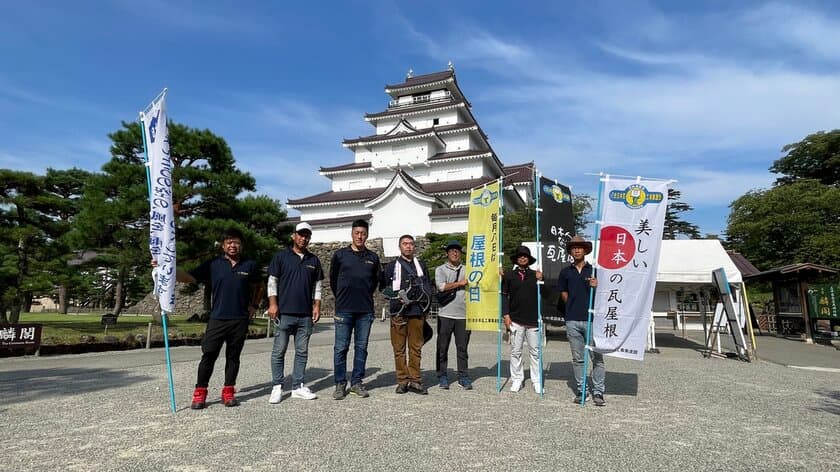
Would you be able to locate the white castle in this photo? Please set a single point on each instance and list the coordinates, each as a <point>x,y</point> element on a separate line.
<point>414,175</point>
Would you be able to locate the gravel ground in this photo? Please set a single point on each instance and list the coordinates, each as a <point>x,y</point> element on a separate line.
<point>675,411</point>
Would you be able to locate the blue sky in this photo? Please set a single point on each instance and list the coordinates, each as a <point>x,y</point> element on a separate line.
<point>706,93</point>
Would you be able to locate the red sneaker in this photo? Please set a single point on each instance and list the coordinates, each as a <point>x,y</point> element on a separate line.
<point>228,397</point>
<point>199,398</point>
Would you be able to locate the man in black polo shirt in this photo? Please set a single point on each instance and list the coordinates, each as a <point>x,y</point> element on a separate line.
<point>354,277</point>
<point>294,304</point>
<point>575,285</point>
<point>405,280</point>
<point>235,285</point>
<point>519,306</point>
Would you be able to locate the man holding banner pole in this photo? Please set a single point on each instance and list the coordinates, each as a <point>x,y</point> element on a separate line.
<point>519,306</point>
<point>575,284</point>
<point>236,286</point>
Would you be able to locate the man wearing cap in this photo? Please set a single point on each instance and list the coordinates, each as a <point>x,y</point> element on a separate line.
<point>575,284</point>
<point>519,305</point>
<point>452,317</point>
<point>294,305</point>
<point>354,277</point>
<point>236,287</point>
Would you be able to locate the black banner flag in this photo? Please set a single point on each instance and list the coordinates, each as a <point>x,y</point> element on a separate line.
<point>557,226</point>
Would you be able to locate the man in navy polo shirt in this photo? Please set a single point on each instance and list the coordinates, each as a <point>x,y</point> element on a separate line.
<point>235,285</point>
<point>575,285</point>
<point>294,304</point>
<point>354,277</point>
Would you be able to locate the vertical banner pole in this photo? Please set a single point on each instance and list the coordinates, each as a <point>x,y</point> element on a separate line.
<point>163,313</point>
<point>595,239</point>
<point>748,317</point>
<point>168,362</point>
<point>501,247</point>
<point>540,326</point>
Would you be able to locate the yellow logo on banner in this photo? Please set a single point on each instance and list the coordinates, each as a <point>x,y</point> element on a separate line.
<point>483,246</point>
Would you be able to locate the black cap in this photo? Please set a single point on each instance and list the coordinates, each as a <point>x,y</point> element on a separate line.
<point>454,245</point>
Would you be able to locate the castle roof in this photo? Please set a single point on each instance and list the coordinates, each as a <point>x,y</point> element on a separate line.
<point>420,80</point>
<point>517,174</point>
<point>419,133</point>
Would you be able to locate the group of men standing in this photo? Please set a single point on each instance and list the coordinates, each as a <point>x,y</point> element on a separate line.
<point>295,278</point>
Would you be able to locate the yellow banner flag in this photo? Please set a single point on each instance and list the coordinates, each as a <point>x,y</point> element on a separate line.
<point>483,246</point>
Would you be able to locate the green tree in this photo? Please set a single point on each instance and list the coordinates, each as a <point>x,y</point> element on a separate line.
<point>582,210</point>
<point>61,194</point>
<point>815,157</point>
<point>208,192</point>
<point>19,235</point>
<point>434,254</point>
<point>33,218</point>
<point>786,224</point>
<point>518,227</point>
<point>674,224</point>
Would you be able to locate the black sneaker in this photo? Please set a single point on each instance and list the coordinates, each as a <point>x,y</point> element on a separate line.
<point>340,391</point>
<point>359,390</point>
<point>417,388</point>
<point>401,388</point>
<point>598,399</point>
<point>577,398</point>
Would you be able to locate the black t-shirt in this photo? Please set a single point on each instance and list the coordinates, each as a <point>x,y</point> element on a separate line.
<point>519,288</point>
<point>296,279</point>
<point>230,285</point>
<point>575,283</point>
<point>354,277</point>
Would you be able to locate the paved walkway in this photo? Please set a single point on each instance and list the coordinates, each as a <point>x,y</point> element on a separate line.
<point>674,411</point>
<point>783,351</point>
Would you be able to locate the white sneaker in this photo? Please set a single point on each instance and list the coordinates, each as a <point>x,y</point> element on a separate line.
<point>303,393</point>
<point>276,394</point>
<point>538,389</point>
<point>516,386</point>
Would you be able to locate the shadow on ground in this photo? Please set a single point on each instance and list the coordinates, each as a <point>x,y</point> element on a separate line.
<point>35,384</point>
<point>663,340</point>
<point>829,403</point>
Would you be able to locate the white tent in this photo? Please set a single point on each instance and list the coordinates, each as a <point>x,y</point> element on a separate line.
<point>684,279</point>
<point>691,261</point>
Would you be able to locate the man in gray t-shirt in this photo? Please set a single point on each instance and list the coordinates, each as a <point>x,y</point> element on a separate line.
<point>452,317</point>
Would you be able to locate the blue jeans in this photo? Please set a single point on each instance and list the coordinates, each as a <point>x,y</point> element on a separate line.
<point>576,333</point>
<point>345,324</point>
<point>301,328</point>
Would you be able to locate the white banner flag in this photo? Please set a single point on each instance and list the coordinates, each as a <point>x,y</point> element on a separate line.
<point>632,219</point>
<point>161,216</point>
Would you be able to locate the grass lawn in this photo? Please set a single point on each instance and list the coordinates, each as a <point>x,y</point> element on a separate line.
<point>68,329</point>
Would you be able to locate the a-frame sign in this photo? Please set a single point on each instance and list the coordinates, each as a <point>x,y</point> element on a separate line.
<point>729,315</point>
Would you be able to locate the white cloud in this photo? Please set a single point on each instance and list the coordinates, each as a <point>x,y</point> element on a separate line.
<point>704,187</point>
<point>200,16</point>
<point>674,105</point>
<point>810,32</point>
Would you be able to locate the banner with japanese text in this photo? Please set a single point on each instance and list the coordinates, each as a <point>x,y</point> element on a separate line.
<point>632,220</point>
<point>161,215</point>
<point>483,246</point>
<point>824,301</point>
<point>557,226</point>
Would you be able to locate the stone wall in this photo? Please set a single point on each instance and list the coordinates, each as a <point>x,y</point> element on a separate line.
<point>188,304</point>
